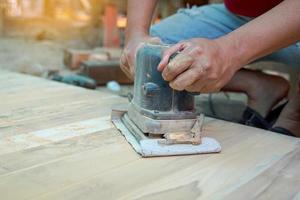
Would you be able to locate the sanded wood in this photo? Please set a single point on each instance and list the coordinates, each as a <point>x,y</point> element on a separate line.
<point>57,142</point>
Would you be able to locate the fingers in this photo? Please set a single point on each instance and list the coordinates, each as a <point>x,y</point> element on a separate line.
<point>177,65</point>
<point>210,88</point>
<point>127,60</point>
<point>125,66</point>
<point>204,87</point>
<point>123,63</point>
<point>201,66</point>
<point>167,54</point>
<point>184,80</point>
<point>197,86</point>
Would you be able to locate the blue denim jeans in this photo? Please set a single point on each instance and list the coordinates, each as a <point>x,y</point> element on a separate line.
<point>213,21</point>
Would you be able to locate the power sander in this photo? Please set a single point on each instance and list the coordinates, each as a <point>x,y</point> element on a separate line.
<point>160,121</point>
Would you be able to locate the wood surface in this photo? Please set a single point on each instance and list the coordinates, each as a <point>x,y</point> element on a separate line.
<point>57,142</point>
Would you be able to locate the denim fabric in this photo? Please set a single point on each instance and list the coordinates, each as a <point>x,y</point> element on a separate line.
<point>213,21</point>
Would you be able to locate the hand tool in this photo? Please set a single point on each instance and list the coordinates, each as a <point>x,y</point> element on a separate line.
<point>75,79</point>
<point>160,121</point>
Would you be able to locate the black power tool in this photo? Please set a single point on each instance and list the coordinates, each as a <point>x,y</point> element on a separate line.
<point>159,120</point>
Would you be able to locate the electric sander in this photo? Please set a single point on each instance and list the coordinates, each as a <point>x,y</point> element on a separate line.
<point>160,121</point>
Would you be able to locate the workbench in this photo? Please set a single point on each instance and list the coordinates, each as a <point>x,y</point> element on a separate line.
<point>57,142</point>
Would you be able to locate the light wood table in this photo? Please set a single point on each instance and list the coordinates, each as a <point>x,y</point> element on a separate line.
<point>57,142</point>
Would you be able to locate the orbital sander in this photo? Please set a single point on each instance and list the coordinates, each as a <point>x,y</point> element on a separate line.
<point>160,121</point>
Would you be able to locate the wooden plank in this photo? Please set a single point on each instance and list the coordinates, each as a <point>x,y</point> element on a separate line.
<point>57,142</point>
<point>34,104</point>
<point>68,169</point>
<point>281,181</point>
<point>205,176</point>
<point>47,136</point>
<point>42,155</point>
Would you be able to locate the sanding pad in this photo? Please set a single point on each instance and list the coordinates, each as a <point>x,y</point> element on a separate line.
<point>148,147</point>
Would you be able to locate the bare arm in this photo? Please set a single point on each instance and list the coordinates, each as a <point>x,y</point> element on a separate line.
<point>276,29</point>
<point>208,65</point>
<point>140,14</point>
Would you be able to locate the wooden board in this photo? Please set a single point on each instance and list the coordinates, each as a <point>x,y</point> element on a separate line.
<point>57,142</point>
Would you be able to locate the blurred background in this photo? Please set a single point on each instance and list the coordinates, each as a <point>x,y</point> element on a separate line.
<point>79,42</point>
<point>47,26</point>
<point>86,21</point>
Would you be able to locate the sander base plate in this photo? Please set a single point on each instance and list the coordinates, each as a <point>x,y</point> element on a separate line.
<point>151,147</point>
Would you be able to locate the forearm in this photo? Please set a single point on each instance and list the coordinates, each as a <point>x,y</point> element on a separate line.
<point>140,14</point>
<point>278,28</point>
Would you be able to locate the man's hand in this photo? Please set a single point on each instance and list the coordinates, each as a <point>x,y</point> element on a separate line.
<point>202,65</point>
<point>128,56</point>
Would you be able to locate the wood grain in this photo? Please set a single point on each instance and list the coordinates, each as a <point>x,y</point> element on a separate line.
<point>56,142</point>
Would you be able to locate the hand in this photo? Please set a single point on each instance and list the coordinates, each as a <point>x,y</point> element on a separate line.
<point>128,56</point>
<point>202,65</point>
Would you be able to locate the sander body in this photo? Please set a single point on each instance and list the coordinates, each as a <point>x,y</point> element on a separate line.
<point>160,121</point>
